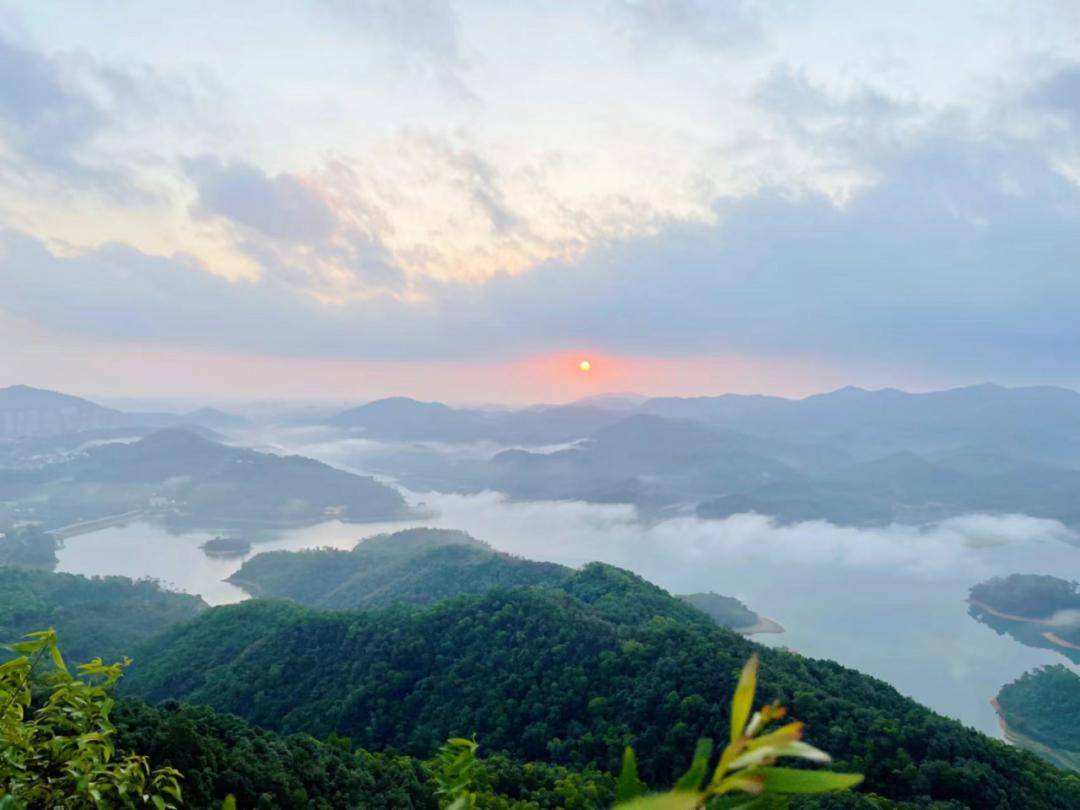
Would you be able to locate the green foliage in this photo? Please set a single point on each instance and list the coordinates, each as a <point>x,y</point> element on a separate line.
<point>1045,704</point>
<point>569,675</point>
<point>455,769</point>
<point>103,617</point>
<point>62,753</point>
<point>746,765</point>
<point>221,754</point>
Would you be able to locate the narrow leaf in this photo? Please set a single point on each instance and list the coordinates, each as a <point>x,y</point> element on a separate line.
<point>691,780</point>
<point>629,785</point>
<point>744,697</point>
<point>791,780</point>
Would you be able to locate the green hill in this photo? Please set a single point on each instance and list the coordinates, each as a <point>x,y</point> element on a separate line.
<point>419,566</point>
<point>99,616</point>
<point>1042,710</point>
<point>567,675</point>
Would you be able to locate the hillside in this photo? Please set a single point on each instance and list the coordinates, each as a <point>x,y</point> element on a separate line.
<point>1042,710</point>
<point>416,566</point>
<point>101,616</point>
<point>27,412</point>
<point>566,675</point>
<point>186,479</point>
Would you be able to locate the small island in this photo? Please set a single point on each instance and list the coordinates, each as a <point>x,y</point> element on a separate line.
<point>1037,610</point>
<point>730,612</point>
<point>1040,711</point>
<point>226,547</point>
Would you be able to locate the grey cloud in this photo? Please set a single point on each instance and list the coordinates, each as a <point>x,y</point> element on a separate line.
<point>281,207</point>
<point>44,117</point>
<point>960,258</point>
<point>290,228</point>
<point>55,107</point>
<point>1060,93</point>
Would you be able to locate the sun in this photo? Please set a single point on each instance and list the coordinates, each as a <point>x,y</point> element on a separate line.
<point>585,365</point>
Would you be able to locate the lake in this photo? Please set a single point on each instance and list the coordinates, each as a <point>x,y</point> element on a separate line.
<point>889,602</point>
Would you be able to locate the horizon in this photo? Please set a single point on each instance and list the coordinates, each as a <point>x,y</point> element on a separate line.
<point>165,403</point>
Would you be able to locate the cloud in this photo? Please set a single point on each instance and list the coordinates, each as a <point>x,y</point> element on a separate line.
<point>932,265</point>
<point>56,110</point>
<point>1060,93</point>
<point>964,548</point>
<point>954,253</point>
<point>281,207</point>
<point>291,227</point>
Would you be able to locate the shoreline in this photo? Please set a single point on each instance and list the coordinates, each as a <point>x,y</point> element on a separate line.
<point>1067,760</point>
<point>762,625</point>
<point>1049,635</point>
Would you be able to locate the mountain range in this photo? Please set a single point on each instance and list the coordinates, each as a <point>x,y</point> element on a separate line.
<point>850,456</point>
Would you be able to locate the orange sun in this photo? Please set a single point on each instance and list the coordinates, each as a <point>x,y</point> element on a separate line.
<point>585,365</point>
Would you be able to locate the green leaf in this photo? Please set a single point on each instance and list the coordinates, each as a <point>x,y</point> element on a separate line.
<point>629,784</point>
<point>229,803</point>
<point>666,801</point>
<point>57,658</point>
<point>791,780</point>
<point>691,780</point>
<point>744,697</point>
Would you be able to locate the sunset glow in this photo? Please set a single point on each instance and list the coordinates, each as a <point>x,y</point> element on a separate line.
<point>585,365</point>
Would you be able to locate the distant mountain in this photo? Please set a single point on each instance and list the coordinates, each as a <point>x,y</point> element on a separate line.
<point>33,413</point>
<point>28,412</point>
<point>1034,422</point>
<point>640,459</point>
<point>417,566</point>
<point>178,476</point>
<point>210,418</point>
<point>404,419</point>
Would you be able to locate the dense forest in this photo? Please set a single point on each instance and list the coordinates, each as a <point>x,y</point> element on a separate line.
<point>1045,705</point>
<point>415,565</point>
<point>568,676</point>
<point>99,616</point>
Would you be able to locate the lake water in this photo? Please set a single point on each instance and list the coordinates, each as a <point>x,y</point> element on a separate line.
<point>889,602</point>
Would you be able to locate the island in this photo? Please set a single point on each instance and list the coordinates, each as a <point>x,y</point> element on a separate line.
<point>226,547</point>
<point>1040,711</point>
<point>1036,610</point>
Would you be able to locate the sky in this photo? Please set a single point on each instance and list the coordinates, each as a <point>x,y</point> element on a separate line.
<point>326,199</point>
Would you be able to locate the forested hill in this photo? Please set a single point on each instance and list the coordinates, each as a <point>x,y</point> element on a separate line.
<point>418,566</point>
<point>568,675</point>
<point>99,616</point>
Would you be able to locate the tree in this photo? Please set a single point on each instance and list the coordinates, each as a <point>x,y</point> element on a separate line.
<point>58,750</point>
